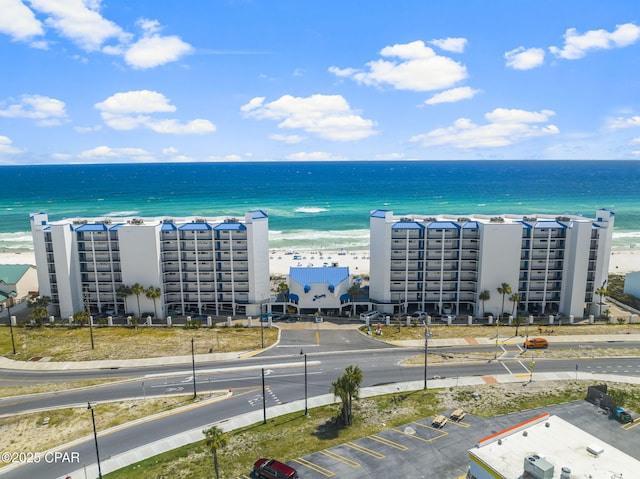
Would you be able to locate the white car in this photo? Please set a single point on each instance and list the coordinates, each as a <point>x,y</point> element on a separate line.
<point>419,315</point>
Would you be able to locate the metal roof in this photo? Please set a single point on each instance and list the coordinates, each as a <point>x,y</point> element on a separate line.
<point>230,227</point>
<point>549,224</point>
<point>166,226</point>
<point>92,227</point>
<point>195,227</point>
<point>330,275</point>
<point>443,225</point>
<point>257,214</point>
<point>379,213</point>
<point>408,225</point>
<point>12,273</point>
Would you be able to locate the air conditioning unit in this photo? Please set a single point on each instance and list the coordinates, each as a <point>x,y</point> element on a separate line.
<point>538,467</point>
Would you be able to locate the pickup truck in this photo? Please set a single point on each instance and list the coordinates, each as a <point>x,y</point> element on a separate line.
<point>620,415</point>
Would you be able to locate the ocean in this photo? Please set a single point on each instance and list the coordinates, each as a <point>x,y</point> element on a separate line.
<point>313,205</point>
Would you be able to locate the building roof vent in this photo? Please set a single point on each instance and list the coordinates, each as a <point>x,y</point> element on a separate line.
<point>595,449</point>
<point>565,473</point>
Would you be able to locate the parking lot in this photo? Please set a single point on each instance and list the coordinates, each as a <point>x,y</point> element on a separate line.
<point>420,450</point>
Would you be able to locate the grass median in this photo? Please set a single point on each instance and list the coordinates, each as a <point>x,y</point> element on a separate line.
<point>118,343</point>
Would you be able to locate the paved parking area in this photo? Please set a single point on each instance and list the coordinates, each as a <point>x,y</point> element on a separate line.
<point>419,450</point>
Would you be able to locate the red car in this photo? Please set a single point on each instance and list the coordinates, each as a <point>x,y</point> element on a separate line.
<point>272,469</point>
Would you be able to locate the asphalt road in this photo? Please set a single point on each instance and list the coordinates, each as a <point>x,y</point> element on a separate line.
<point>284,368</point>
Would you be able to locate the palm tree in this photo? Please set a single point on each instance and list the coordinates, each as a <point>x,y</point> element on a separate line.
<point>484,296</point>
<point>123,292</point>
<point>601,292</point>
<point>137,289</point>
<point>503,289</point>
<point>215,440</point>
<point>515,299</point>
<point>347,388</point>
<point>153,293</point>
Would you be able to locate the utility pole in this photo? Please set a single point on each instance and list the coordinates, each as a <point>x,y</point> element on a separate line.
<point>193,367</point>
<point>427,336</point>
<point>90,319</point>
<point>95,437</point>
<point>264,401</point>
<point>13,342</point>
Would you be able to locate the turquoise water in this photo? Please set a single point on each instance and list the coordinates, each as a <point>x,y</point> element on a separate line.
<point>320,205</point>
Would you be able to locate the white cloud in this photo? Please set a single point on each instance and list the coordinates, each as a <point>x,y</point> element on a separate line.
<point>171,150</point>
<point>328,116</point>
<point>505,127</point>
<point>524,58</point>
<point>79,21</point>
<point>621,122</point>
<point>46,111</point>
<point>390,156</point>
<point>102,153</point>
<point>225,158</point>
<point>577,45</point>
<point>456,45</point>
<point>313,156</point>
<point>635,141</point>
<point>453,95</point>
<point>132,109</point>
<point>290,139</point>
<point>153,50</point>
<point>7,148</point>
<point>138,101</point>
<point>18,21</point>
<point>417,68</point>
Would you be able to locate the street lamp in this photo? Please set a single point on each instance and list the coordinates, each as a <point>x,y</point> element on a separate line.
<point>12,294</point>
<point>95,437</point>
<point>427,336</point>
<point>193,367</point>
<point>306,409</point>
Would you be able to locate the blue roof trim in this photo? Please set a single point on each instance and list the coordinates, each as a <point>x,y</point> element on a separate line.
<point>379,213</point>
<point>472,225</point>
<point>92,227</point>
<point>168,227</point>
<point>524,223</point>
<point>116,227</point>
<point>443,225</point>
<point>195,227</point>
<point>549,224</point>
<point>330,275</point>
<point>407,225</point>
<point>230,227</point>
<point>258,214</point>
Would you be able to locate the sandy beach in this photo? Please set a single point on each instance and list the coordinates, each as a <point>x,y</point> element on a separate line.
<point>622,261</point>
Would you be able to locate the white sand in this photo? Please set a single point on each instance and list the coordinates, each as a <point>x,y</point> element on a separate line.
<point>621,262</point>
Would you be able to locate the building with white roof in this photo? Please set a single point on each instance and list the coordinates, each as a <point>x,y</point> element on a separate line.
<point>319,288</point>
<point>548,447</point>
<point>201,265</point>
<point>441,263</point>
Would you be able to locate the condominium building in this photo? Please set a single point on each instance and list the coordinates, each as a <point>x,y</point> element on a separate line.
<point>200,265</point>
<point>441,264</point>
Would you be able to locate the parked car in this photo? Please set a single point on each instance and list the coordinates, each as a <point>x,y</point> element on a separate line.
<point>536,343</point>
<point>419,315</point>
<point>620,415</point>
<point>369,315</point>
<point>265,317</point>
<point>272,469</point>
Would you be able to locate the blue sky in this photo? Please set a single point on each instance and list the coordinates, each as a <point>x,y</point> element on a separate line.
<point>91,81</point>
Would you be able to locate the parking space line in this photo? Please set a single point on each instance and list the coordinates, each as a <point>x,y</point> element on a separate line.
<point>366,450</point>
<point>314,467</point>
<point>630,425</point>
<point>443,433</point>
<point>388,442</point>
<point>418,437</point>
<point>459,423</point>
<point>340,458</point>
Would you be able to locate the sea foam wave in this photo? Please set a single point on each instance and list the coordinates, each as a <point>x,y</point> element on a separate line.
<point>310,209</point>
